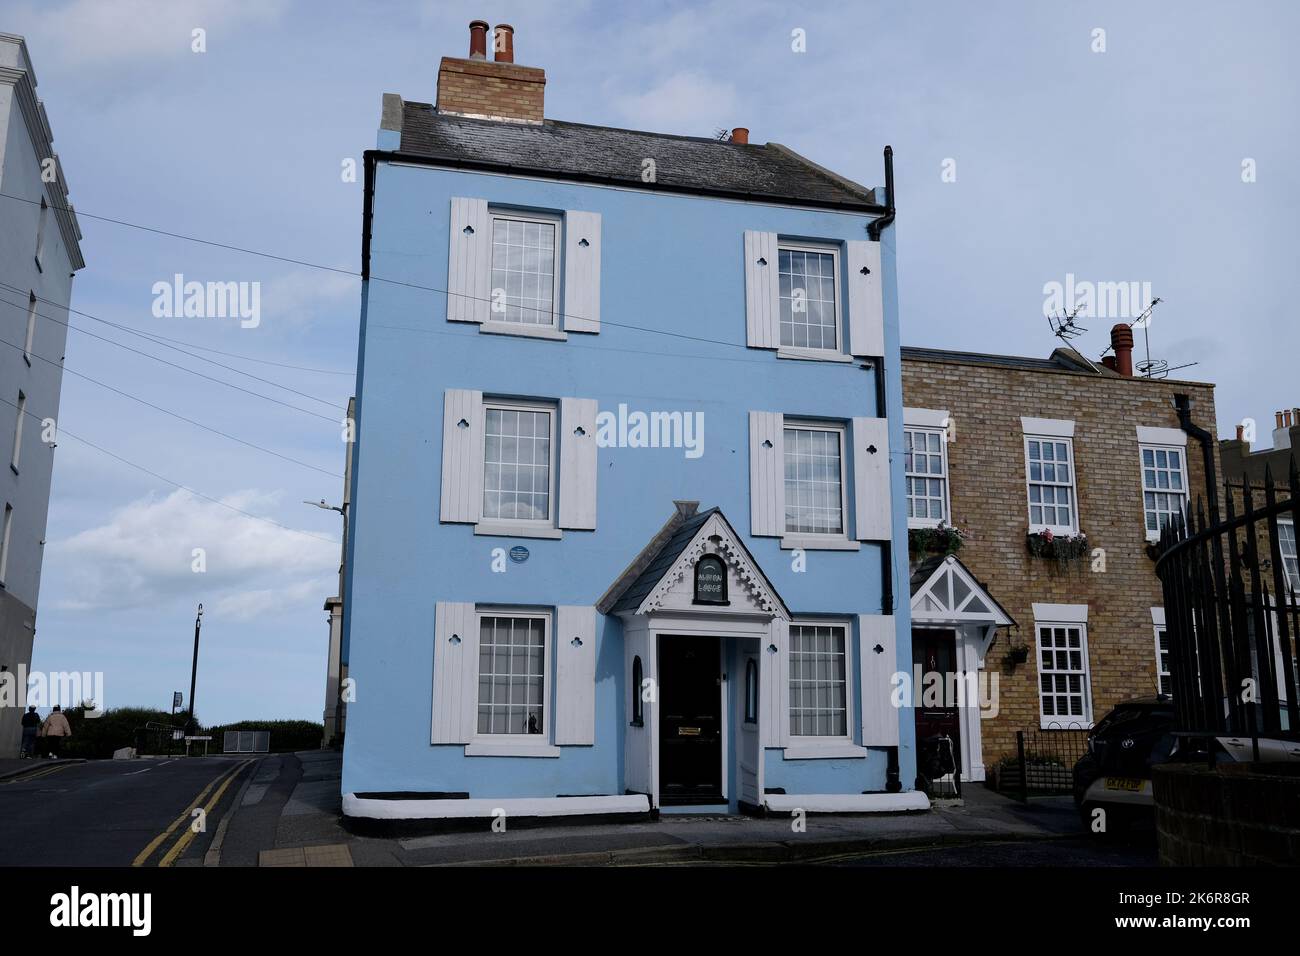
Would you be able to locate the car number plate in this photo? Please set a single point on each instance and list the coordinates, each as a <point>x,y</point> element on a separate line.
<point>1124,783</point>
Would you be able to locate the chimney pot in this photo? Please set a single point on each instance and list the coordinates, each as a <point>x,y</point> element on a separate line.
<point>1286,418</point>
<point>504,47</point>
<point>1121,340</point>
<point>1241,433</point>
<point>1109,362</point>
<point>740,135</point>
<point>478,39</point>
<point>1277,418</point>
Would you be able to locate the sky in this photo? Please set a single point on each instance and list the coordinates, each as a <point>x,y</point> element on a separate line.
<point>1149,142</point>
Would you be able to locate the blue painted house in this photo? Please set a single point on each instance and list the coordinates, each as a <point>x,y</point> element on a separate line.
<point>627,519</point>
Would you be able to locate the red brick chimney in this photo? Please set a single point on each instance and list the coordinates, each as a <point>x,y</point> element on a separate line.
<point>740,135</point>
<point>496,89</point>
<point>1121,340</point>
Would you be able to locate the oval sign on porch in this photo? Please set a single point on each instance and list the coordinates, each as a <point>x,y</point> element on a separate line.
<point>710,580</point>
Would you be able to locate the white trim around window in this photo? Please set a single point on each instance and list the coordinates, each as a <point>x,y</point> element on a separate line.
<point>1164,679</point>
<point>1064,674</point>
<point>925,469</point>
<point>1164,485</point>
<point>505,474</point>
<point>512,695</point>
<point>804,445</point>
<point>1050,483</point>
<point>1051,427</point>
<point>801,335</point>
<point>825,645</point>
<point>523,245</point>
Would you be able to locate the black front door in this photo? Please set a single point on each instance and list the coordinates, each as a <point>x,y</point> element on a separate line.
<point>690,723</point>
<point>935,652</point>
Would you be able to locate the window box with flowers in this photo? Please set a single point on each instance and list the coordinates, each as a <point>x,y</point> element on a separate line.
<point>943,539</point>
<point>1064,548</point>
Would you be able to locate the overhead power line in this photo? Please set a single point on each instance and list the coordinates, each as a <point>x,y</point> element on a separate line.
<point>58,305</point>
<point>64,433</point>
<point>165,411</point>
<point>163,361</point>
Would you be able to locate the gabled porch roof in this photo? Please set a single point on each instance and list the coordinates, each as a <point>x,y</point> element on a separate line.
<point>945,590</point>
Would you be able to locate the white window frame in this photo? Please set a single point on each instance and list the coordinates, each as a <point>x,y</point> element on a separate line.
<point>1293,578</point>
<point>1162,671</point>
<point>41,224</point>
<point>1142,468</point>
<point>18,431</point>
<point>1034,527</point>
<point>6,532</point>
<point>833,745</point>
<point>31,328</point>
<point>522,527</point>
<point>914,522</point>
<point>505,326</point>
<point>1063,616</point>
<point>486,742</point>
<point>815,539</point>
<point>807,352</point>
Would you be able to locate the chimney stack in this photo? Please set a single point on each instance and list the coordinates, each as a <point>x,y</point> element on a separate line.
<point>1285,419</point>
<point>1121,340</point>
<point>504,47</point>
<point>496,89</point>
<point>740,135</point>
<point>478,39</point>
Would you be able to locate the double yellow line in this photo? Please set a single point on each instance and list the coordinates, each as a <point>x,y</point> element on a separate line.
<point>186,838</point>
<point>43,772</point>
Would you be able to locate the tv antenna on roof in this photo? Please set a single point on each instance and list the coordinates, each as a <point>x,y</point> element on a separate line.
<point>1151,367</point>
<point>1064,327</point>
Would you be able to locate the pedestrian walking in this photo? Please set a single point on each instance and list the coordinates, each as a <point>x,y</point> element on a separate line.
<point>55,728</point>
<point>31,727</point>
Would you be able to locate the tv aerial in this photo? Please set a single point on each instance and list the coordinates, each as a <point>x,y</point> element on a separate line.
<point>1064,327</point>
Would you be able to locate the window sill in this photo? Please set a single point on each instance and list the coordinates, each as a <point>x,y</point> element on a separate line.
<point>1056,532</point>
<point>508,530</point>
<point>827,751</point>
<point>791,541</point>
<point>524,331</point>
<point>1045,724</point>
<point>511,750</point>
<point>812,355</point>
<point>917,524</point>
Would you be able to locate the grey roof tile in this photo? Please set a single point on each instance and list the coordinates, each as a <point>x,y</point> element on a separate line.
<point>603,153</point>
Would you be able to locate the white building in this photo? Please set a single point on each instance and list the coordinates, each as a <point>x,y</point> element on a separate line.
<point>39,254</point>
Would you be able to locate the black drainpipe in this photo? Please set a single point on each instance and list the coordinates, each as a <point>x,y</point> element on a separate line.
<point>874,229</point>
<point>1183,405</point>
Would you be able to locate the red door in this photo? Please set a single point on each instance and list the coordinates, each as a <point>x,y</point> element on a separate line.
<point>935,652</point>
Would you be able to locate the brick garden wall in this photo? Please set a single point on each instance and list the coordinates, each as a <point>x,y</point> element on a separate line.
<point>1233,815</point>
<point>988,494</point>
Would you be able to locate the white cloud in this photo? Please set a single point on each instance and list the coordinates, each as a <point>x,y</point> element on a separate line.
<point>686,102</point>
<point>145,553</point>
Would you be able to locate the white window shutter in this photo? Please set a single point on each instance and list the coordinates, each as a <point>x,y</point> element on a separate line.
<point>575,675</point>
<point>577,436</point>
<point>469,261</point>
<point>766,474</point>
<point>762,291</point>
<point>581,271</point>
<point>462,466</point>
<point>774,683</point>
<point>879,715</point>
<point>866,299</point>
<point>455,672</point>
<point>872,505</point>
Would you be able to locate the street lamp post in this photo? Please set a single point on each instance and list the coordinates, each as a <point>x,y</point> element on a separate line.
<point>190,728</point>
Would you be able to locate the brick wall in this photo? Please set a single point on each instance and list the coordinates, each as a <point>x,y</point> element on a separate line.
<point>489,88</point>
<point>1231,815</point>
<point>988,495</point>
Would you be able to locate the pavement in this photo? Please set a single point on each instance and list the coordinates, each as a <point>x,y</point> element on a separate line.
<point>290,816</point>
<point>284,810</point>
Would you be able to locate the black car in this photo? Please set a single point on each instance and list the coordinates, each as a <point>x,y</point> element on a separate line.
<point>1115,773</point>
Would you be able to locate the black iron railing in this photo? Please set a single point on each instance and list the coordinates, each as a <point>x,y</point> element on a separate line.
<point>1231,612</point>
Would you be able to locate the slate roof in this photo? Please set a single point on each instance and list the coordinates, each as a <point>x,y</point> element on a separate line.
<point>648,568</point>
<point>606,154</point>
<point>1061,360</point>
